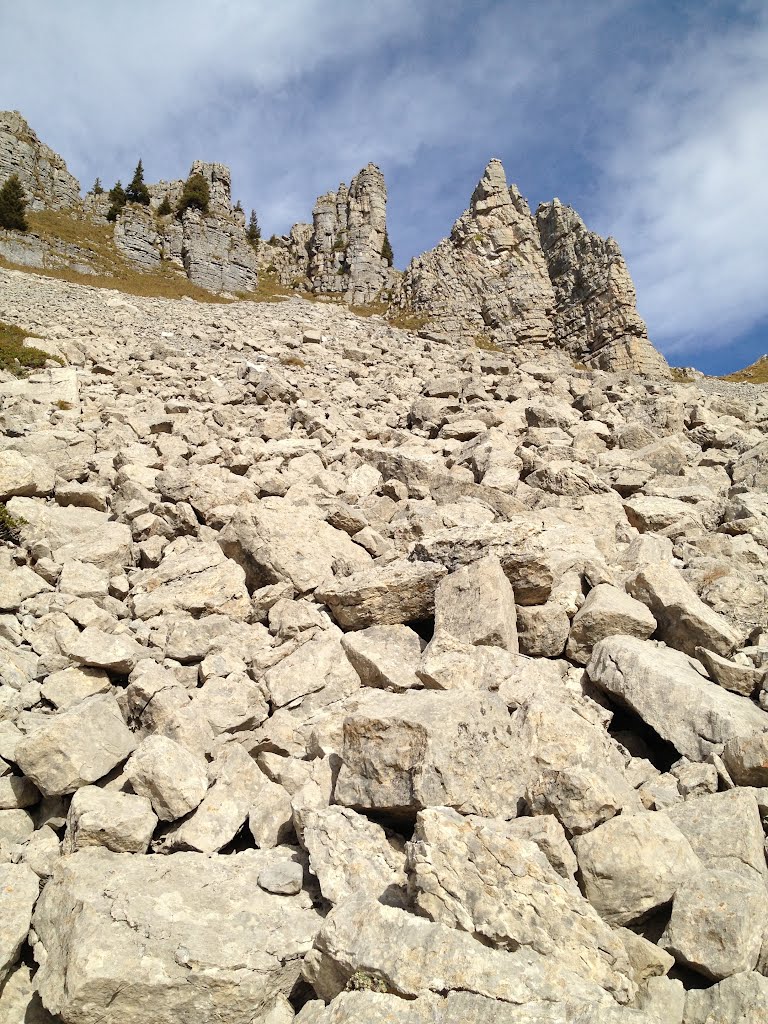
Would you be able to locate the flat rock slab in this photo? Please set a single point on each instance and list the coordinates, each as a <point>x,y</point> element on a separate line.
<point>396,593</point>
<point>19,887</point>
<point>662,686</point>
<point>187,938</point>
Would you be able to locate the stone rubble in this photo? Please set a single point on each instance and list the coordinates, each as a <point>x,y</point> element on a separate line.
<point>348,674</point>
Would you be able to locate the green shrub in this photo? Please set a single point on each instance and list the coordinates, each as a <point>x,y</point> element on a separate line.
<point>116,198</point>
<point>98,188</point>
<point>165,207</point>
<point>15,358</point>
<point>386,250</point>
<point>137,191</point>
<point>9,526</point>
<point>13,205</point>
<point>196,195</point>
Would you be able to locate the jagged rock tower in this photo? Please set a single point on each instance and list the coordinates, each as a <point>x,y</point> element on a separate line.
<point>490,274</point>
<point>596,318</point>
<point>348,231</point>
<point>517,279</point>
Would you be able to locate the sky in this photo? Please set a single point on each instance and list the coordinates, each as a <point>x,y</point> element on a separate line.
<point>649,117</point>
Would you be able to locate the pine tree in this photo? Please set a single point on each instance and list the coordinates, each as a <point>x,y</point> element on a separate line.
<point>165,207</point>
<point>137,191</point>
<point>196,194</point>
<point>386,249</point>
<point>98,188</point>
<point>239,207</point>
<point>13,205</point>
<point>253,231</point>
<point>116,198</point>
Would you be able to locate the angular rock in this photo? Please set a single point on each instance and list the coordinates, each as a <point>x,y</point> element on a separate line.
<point>172,778</point>
<point>684,621</point>
<point>76,747</point>
<point>475,875</point>
<point>633,864</point>
<point>664,688</point>
<point>724,830</point>
<point>718,922</point>
<point>607,611</point>
<point>117,821</point>
<point>404,752</point>
<point>740,999</point>
<point>221,947</point>
<point>19,888</point>
<point>319,664</point>
<point>477,604</point>
<point>382,596</point>
<point>387,657</point>
<point>114,652</point>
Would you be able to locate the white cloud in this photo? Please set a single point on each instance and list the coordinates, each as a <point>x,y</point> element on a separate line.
<point>685,189</point>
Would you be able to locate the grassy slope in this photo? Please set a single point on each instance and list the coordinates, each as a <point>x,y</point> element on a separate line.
<point>757,373</point>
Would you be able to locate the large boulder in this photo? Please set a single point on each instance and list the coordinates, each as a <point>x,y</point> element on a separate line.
<point>127,940</point>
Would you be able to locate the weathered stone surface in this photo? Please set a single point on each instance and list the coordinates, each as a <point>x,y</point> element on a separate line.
<point>684,621</point>
<point>347,241</point>
<point>43,173</point>
<point>477,604</point>
<point>19,888</point>
<point>348,854</point>
<point>67,533</point>
<point>489,274</point>
<point>399,592</point>
<point>318,665</point>
<point>113,652</point>
<point>385,656</point>
<point>411,956</point>
<point>275,546</point>
<point>633,864</point>
<point>168,775</point>
<point>76,747</point>
<point>19,1003</point>
<point>404,752</point>
<point>117,821</point>
<point>595,317</point>
<point>27,477</point>
<point>607,611</point>
<point>212,932</point>
<point>475,875</point>
<point>724,830</point>
<point>741,999</point>
<point>718,922</point>
<point>667,692</point>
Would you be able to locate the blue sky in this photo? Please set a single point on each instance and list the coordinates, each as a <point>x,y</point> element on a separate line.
<point>649,117</point>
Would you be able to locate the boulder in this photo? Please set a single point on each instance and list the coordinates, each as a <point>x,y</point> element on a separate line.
<point>221,947</point>
<point>76,747</point>
<point>384,595</point>
<point>387,657</point>
<point>19,887</point>
<point>476,603</point>
<point>667,691</point>
<point>117,821</point>
<point>172,778</point>
<point>607,611</point>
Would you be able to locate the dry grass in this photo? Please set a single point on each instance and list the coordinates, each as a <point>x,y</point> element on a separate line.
<point>407,320</point>
<point>268,289</point>
<point>679,376</point>
<point>757,373</point>
<point>483,342</point>
<point>292,360</point>
<point>17,359</point>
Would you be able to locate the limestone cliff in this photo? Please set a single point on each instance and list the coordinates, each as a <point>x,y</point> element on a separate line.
<point>596,318</point>
<point>490,275</point>
<point>348,231</point>
<point>211,248</point>
<point>43,173</point>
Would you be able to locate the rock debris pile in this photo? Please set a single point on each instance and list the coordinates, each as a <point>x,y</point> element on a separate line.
<point>351,675</point>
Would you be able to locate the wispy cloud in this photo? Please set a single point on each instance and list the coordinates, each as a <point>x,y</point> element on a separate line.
<point>685,186</point>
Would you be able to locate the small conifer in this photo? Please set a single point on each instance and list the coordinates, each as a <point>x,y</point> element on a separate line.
<point>98,188</point>
<point>13,205</point>
<point>137,191</point>
<point>117,200</point>
<point>165,207</point>
<point>253,231</point>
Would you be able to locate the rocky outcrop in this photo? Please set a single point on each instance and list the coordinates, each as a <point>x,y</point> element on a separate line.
<point>348,231</point>
<point>43,173</point>
<point>211,248</point>
<point>489,276</point>
<point>287,256</point>
<point>596,317</point>
<point>506,277</point>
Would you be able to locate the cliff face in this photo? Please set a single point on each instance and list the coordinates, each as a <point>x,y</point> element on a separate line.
<point>43,173</point>
<point>490,274</point>
<point>544,280</point>
<point>348,231</point>
<point>596,318</point>
<point>211,248</point>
